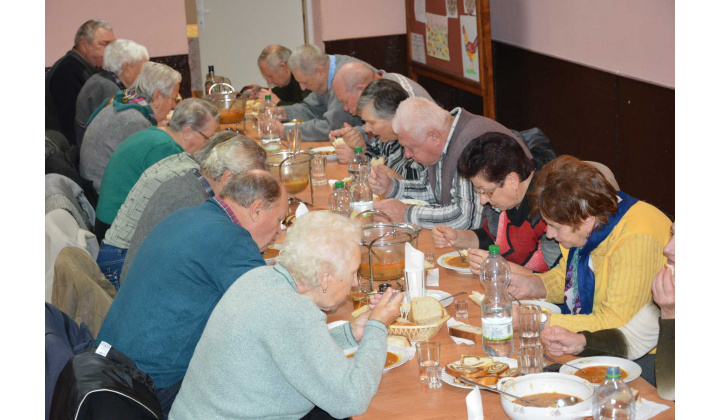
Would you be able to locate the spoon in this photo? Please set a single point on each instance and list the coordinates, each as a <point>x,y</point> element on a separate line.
<point>562,402</point>
<point>516,299</point>
<point>561,363</point>
<point>462,257</point>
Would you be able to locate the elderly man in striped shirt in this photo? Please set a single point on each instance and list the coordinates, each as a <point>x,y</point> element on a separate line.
<point>435,138</point>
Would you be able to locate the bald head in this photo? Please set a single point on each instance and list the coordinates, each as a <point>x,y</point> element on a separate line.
<point>349,83</point>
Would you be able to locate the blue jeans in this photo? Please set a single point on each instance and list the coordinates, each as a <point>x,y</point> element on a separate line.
<point>110,260</point>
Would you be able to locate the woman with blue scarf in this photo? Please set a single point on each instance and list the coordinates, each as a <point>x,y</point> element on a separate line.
<point>611,245</point>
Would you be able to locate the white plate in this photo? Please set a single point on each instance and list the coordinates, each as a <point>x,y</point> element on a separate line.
<point>410,201</point>
<point>441,262</point>
<point>403,353</point>
<point>553,308</point>
<point>329,158</point>
<point>633,369</point>
<point>439,294</point>
<point>450,380</point>
<point>272,246</point>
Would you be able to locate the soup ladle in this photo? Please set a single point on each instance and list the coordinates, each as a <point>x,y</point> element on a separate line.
<point>562,402</point>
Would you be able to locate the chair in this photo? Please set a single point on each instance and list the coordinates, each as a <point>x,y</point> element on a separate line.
<point>80,289</point>
<point>606,172</point>
<point>97,384</point>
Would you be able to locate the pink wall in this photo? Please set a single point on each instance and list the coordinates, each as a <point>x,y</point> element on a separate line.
<point>159,25</point>
<point>634,38</point>
<point>345,19</point>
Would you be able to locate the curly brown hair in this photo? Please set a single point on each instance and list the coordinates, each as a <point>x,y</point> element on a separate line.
<point>568,191</point>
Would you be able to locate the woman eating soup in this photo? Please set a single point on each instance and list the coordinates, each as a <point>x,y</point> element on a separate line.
<point>611,246</point>
<point>266,351</point>
<point>502,174</point>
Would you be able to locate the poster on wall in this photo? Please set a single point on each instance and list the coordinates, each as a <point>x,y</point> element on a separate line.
<point>418,48</point>
<point>420,10</point>
<point>469,47</point>
<point>452,10</point>
<point>469,7</point>
<point>436,36</point>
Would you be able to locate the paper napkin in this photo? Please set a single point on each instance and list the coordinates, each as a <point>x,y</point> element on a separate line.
<point>414,259</point>
<point>433,278</point>
<point>474,405</point>
<point>645,409</point>
<point>301,210</point>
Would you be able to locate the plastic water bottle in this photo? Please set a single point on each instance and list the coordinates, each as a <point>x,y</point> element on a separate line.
<point>496,306</point>
<point>267,115</point>
<point>613,399</point>
<point>359,163</point>
<point>339,200</point>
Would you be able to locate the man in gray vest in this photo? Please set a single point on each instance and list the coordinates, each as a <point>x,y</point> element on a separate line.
<point>321,111</point>
<point>435,138</point>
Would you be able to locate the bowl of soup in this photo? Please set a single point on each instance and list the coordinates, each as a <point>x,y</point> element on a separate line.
<point>545,389</point>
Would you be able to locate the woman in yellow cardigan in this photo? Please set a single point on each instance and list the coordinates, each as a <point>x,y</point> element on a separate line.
<point>611,246</point>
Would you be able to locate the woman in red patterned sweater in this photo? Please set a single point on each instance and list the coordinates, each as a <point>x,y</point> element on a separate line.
<point>502,174</point>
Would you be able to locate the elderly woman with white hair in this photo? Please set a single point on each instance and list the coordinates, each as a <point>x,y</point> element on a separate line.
<point>268,339</point>
<point>122,62</point>
<point>144,104</point>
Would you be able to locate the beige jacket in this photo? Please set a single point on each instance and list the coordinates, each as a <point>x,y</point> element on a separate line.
<point>80,290</point>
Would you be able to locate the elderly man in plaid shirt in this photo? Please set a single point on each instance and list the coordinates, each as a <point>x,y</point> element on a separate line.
<point>435,138</point>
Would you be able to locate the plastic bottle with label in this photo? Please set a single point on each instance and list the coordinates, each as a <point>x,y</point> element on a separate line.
<point>613,398</point>
<point>267,117</point>
<point>496,306</point>
<point>361,194</point>
<point>339,200</point>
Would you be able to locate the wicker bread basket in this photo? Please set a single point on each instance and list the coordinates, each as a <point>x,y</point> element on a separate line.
<point>419,332</point>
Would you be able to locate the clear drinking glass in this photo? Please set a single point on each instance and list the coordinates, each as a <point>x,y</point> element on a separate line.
<point>461,309</point>
<point>415,284</point>
<point>529,325</point>
<point>531,359</point>
<point>428,354</point>
<point>318,170</point>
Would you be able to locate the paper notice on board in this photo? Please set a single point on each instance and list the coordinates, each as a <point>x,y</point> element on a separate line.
<point>469,47</point>
<point>451,6</point>
<point>470,7</point>
<point>436,36</point>
<point>420,11</point>
<point>418,48</point>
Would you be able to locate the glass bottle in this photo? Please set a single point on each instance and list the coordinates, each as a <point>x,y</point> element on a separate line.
<point>496,306</point>
<point>361,194</point>
<point>267,117</point>
<point>339,200</point>
<point>613,398</point>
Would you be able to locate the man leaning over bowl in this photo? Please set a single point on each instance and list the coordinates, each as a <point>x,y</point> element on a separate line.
<point>267,352</point>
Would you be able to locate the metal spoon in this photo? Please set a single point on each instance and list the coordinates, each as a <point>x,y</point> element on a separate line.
<point>456,294</point>
<point>462,257</point>
<point>561,363</point>
<point>516,299</point>
<point>567,401</point>
<point>497,391</point>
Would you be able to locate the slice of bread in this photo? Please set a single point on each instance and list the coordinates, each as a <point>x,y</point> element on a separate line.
<point>498,368</point>
<point>424,311</point>
<point>477,362</point>
<point>338,141</point>
<point>398,341</point>
<point>476,297</point>
<point>468,332</point>
<point>377,161</point>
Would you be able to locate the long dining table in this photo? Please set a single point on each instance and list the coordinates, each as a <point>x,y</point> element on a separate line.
<point>401,395</point>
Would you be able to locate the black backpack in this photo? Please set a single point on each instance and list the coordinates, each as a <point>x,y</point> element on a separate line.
<point>97,386</point>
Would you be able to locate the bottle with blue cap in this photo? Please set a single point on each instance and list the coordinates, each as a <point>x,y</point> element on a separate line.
<point>613,399</point>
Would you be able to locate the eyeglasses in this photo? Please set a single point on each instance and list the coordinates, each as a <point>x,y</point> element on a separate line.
<point>201,133</point>
<point>488,193</point>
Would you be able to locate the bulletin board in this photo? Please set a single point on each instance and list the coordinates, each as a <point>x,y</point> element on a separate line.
<point>450,41</point>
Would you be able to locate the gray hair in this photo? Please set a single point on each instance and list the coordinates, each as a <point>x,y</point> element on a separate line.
<point>416,116</point>
<point>273,55</point>
<point>193,112</point>
<point>355,74</point>
<point>306,58</point>
<point>247,187</point>
<point>215,140</point>
<point>319,242</point>
<point>238,154</point>
<point>155,76</point>
<point>87,30</point>
<point>122,51</point>
<point>383,96</point>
